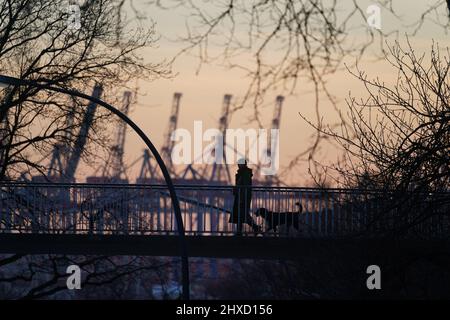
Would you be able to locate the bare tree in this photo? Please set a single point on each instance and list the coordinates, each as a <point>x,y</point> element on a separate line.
<point>399,137</point>
<point>38,42</point>
<point>281,44</point>
<point>398,140</point>
<point>409,272</point>
<point>105,277</point>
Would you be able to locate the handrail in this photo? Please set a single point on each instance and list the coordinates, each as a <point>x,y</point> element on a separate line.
<point>207,187</point>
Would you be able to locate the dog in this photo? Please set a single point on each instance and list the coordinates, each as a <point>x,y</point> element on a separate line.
<point>275,219</point>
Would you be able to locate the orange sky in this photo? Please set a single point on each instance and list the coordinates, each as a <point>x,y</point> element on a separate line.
<point>203,92</point>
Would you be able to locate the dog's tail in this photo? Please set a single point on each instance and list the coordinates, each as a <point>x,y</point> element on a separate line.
<point>300,207</point>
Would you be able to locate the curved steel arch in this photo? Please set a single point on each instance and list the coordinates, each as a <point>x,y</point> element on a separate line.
<point>176,204</point>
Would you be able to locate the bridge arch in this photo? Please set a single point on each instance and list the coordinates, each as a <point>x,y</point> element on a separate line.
<point>6,80</point>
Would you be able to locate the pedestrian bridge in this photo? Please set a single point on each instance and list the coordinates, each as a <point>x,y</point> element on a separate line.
<point>139,219</point>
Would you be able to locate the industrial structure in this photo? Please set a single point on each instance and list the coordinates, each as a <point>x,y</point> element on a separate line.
<point>66,158</point>
<point>220,172</point>
<point>271,179</point>
<point>166,150</point>
<point>114,170</point>
<point>213,174</point>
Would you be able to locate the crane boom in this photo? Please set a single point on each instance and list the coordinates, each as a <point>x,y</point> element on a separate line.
<point>115,163</point>
<point>173,120</point>
<point>221,172</point>
<point>75,156</point>
<point>270,179</point>
<point>276,118</point>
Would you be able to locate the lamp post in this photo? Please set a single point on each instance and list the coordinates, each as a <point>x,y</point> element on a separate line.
<point>6,81</point>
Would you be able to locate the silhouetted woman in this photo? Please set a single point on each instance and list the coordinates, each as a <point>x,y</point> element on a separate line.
<point>242,198</point>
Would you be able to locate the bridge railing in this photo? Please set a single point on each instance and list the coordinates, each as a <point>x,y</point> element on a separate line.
<point>219,210</point>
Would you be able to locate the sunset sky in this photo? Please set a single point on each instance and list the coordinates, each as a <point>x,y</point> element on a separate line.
<point>203,92</point>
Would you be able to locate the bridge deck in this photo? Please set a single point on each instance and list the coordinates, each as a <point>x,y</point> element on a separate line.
<point>198,246</point>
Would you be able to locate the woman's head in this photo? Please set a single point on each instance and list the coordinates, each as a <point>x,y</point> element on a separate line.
<point>242,163</point>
